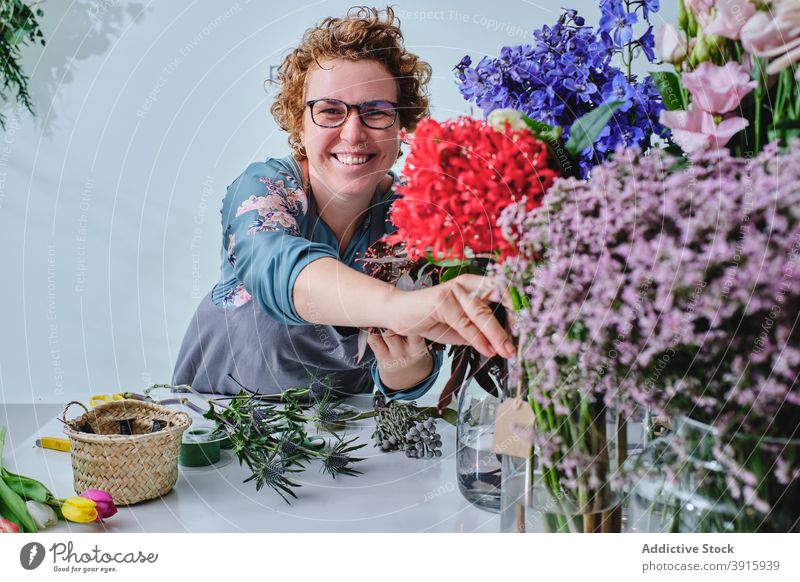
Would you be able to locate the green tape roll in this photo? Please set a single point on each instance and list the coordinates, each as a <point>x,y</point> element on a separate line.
<point>199,447</point>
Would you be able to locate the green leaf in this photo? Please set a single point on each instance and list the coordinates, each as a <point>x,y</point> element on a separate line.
<point>450,273</point>
<point>669,87</point>
<point>14,37</point>
<point>541,129</point>
<point>443,263</point>
<point>450,416</point>
<point>27,488</point>
<point>586,129</point>
<point>15,507</point>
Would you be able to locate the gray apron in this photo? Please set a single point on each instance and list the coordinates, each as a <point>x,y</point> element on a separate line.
<point>226,345</point>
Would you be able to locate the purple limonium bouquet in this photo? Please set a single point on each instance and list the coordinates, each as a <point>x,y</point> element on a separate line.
<point>570,70</point>
<point>676,287</point>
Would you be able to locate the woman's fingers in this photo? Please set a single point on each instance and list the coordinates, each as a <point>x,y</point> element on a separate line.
<point>379,347</point>
<point>394,342</point>
<point>453,312</point>
<point>484,331</point>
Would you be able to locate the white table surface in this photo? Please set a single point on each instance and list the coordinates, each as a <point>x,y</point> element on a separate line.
<point>394,493</point>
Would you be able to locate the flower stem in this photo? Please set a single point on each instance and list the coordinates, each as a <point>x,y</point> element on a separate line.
<point>759,95</point>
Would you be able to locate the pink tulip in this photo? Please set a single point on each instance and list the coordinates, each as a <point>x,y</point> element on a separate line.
<point>104,502</point>
<point>730,17</point>
<point>718,89</point>
<point>670,44</point>
<point>8,526</point>
<point>695,129</point>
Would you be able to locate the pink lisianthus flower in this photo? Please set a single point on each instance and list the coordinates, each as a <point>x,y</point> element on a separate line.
<point>695,130</point>
<point>786,47</point>
<point>763,33</point>
<point>103,501</point>
<point>716,89</point>
<point>670,44</point>
<point>730,17</point>
<point>701,10</point>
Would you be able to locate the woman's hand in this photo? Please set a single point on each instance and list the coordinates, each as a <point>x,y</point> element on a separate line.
<point>455,312</point>
<point>403,361</point>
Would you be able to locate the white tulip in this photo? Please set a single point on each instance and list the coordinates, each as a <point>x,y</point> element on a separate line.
<point>42,514</point>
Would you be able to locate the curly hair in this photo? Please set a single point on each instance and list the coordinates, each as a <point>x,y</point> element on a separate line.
<point>362,35</point>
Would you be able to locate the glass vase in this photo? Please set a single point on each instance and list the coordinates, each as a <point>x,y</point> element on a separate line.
<point>590,498</point>
<point>699,480</point>
<point>478,467</point>
<point>532,505</point>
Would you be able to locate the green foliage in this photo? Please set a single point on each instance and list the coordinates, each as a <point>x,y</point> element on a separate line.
<point>18,28</point>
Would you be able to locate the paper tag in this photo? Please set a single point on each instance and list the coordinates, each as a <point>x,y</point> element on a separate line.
<point>513,428</point>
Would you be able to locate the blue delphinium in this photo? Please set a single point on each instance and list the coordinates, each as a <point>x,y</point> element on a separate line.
<point>616,23</point>
<point>568,72</point>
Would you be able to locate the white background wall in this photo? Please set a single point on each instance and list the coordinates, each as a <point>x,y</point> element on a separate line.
<point>109,198</point>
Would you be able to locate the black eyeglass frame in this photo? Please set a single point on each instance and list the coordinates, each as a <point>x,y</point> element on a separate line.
<point>349,108</point>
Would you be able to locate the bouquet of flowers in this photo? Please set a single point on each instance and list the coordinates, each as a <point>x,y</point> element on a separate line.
<point>735,74</point>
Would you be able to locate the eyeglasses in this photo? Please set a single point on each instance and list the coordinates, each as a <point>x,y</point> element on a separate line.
<point>333,113</point>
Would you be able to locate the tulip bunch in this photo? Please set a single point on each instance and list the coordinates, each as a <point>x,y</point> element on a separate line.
<point>735,74</point>
<point>26,505</point>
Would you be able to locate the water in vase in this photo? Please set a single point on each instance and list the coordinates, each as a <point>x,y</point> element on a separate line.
<point>478,467</point>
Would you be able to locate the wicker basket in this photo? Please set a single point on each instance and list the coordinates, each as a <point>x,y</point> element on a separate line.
<point>132,468</point>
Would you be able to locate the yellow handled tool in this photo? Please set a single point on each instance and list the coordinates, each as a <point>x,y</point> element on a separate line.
<point>53,443</point>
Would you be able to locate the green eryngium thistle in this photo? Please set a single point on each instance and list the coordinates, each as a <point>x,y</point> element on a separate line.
<point>336,459</point>
<point>271,438</point>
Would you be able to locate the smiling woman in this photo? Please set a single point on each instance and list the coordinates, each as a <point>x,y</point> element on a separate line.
<point>292,293</point>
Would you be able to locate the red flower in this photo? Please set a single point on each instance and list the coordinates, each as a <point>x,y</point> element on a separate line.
<point>460,175</point>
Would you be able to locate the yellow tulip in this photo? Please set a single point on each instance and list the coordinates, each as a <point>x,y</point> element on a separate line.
<point>79,509</point>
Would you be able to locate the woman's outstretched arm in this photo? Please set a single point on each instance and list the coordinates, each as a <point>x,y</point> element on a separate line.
<point>328,292</point>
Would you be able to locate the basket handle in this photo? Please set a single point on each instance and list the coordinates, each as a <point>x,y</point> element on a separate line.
<point>64,414</point>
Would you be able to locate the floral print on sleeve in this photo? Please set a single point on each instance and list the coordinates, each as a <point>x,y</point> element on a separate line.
<point>278,208</point>
<point>235,297</point>
<point>231,249</point>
